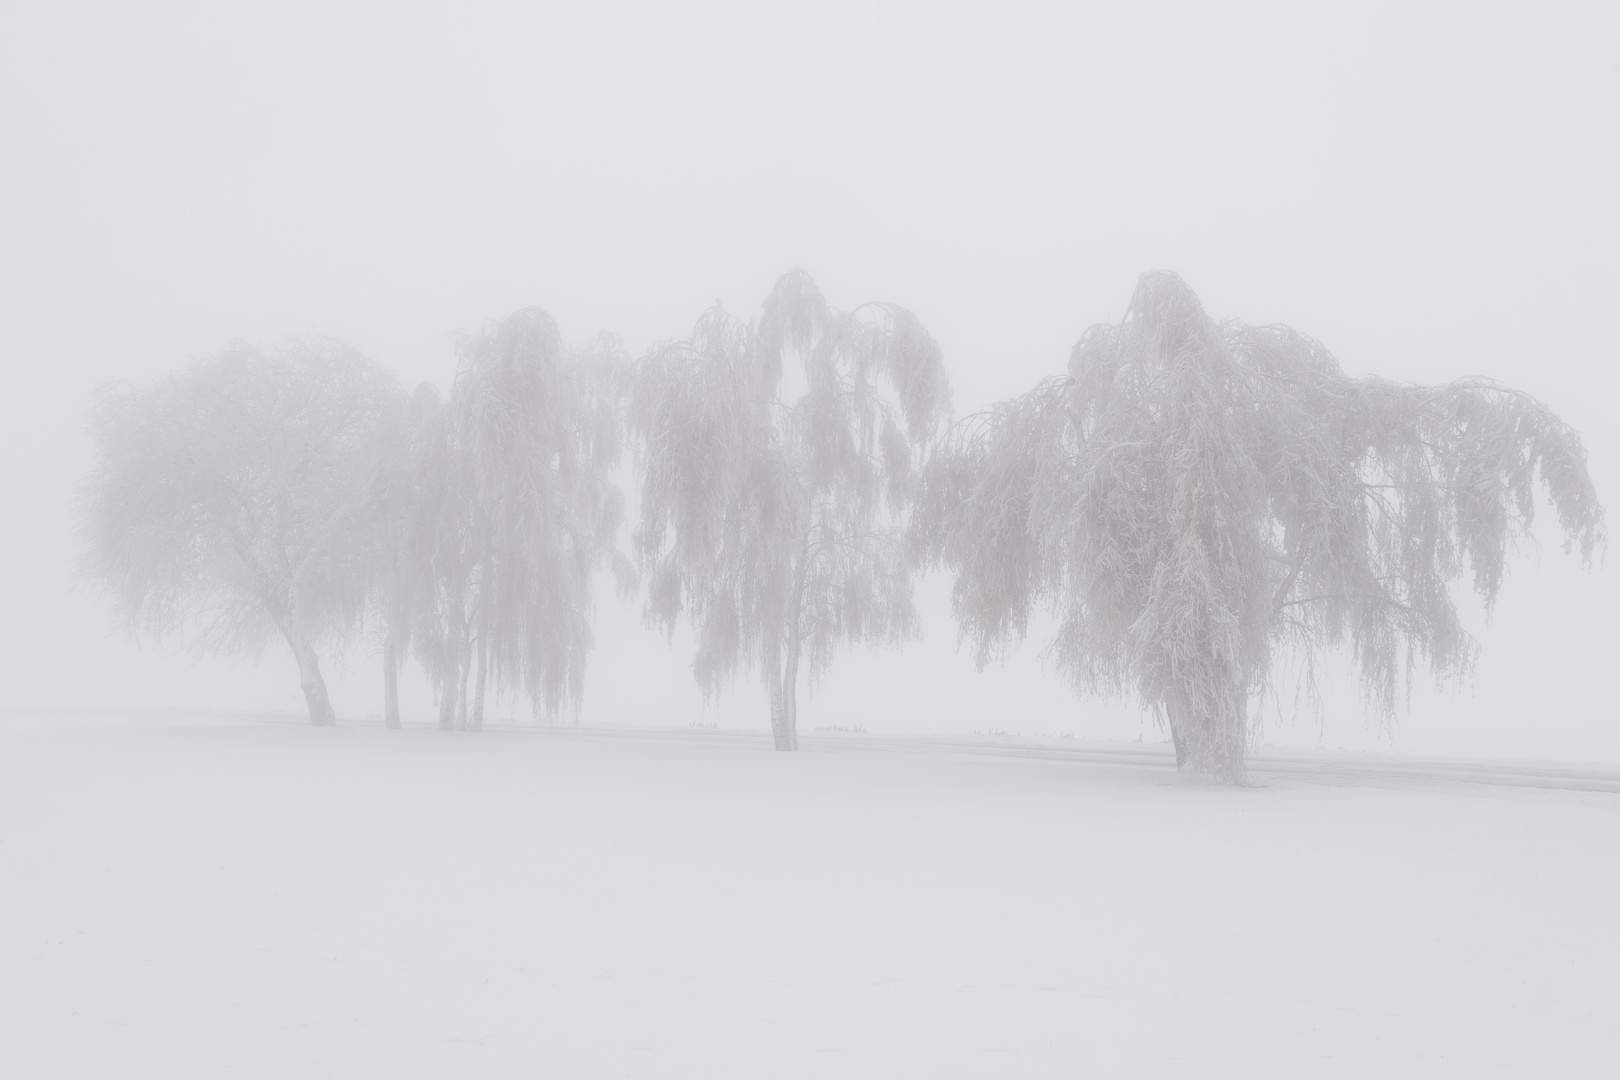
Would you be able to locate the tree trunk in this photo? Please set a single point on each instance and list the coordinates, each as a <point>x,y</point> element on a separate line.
<point>790,695</point>
<point>1234,749</point>
<point>785,683</point>
<point>390,683</point>
<point>309,677</point>
<point>779,724</point>
<point>1176,739</point>
<point>309,667</point>
<point>461,694</point>
<point>785,705</point>
<point>483,676</point>
<point>1212,742</point>
<point>447,693</point>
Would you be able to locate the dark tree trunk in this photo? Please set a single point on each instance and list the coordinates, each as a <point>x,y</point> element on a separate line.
<point>448,683</point>
<point>314,686</point>
<point>461,691</point>
<point>309,667</point>
<point>390,683</point>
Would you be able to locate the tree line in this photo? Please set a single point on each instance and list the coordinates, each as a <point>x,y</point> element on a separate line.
<point>1192,499</point>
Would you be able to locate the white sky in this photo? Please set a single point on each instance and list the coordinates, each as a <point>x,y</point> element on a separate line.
<point>1431,190</point>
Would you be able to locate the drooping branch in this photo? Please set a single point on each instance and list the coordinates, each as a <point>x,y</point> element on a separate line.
<point>780,459</point>
<point>1195,496</point>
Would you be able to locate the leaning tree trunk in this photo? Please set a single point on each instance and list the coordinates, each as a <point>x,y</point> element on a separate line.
<point>309,677</point>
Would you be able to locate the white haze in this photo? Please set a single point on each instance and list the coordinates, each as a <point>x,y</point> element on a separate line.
<point>1430,191</point>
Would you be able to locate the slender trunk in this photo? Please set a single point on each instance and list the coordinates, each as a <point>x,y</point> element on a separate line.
<point>390,682</point>
<point>461,693</point>
<point>483,676</point>
<point>450,678</point>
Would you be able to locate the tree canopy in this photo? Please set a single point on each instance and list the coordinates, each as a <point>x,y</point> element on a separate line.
<point>406,501</point>
<point>516,510</point>
<point>1192,501</point>
<point>1193,497</point>
<point>230,500</point>
<point>774,495</point>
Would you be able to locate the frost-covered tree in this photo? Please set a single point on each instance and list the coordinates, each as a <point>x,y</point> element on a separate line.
<point>230,500</point>
<point>1193,498</point>
<point>516,510</point>
<point>404,506</point>
<point>773,498</point>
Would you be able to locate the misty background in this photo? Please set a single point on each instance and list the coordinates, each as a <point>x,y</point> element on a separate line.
<point>1431,191</point>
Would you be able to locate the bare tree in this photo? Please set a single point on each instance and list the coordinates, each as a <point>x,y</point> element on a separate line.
<point>231,499</point>
<point>772,518</point>
<point>1193,497</point>
<point>516,510</point>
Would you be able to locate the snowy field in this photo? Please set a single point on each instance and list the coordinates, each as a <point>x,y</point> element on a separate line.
<point>226,898</point>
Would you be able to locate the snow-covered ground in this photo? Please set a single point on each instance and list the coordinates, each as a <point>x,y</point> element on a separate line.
<point>222,898</point>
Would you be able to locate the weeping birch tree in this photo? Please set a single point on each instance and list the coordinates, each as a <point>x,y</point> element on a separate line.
<point>230,501</point>
<point>516,511</point>
<point>1193,499</point>
<point>779,462</point>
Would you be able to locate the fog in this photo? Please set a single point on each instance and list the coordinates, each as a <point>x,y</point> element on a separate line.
<point>1429,193</point>
<point>1428,190</point>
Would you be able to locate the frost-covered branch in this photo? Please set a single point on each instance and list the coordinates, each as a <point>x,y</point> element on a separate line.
<point>1194,496</point>
<point>774,497</point>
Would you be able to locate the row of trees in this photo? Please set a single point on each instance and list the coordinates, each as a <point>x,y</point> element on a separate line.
<point>1191,500</point>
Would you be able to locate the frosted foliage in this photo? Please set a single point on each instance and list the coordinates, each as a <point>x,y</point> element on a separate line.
<point>231,500</point>
<point>407,499</point>
<point>1194,497</point>
<point>513,511</point>
<point>773,518</point>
